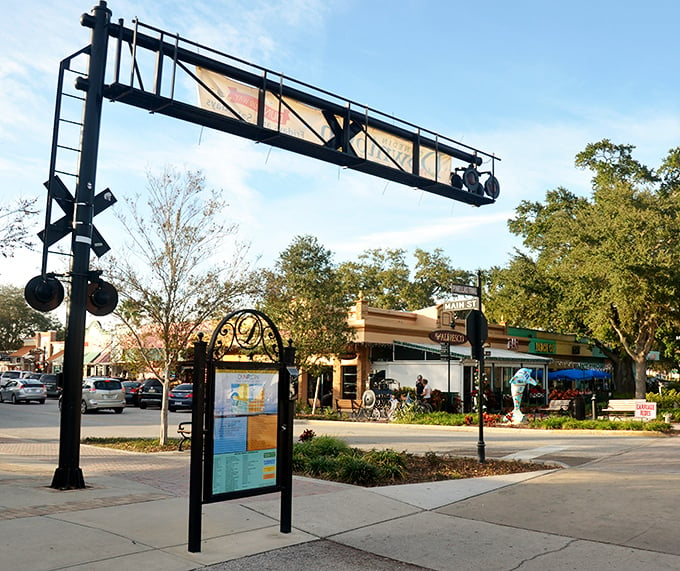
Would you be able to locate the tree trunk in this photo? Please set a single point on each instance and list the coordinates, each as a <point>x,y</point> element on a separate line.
<point>624,374</point>
<point>163,436</point>
<point>641,377</point>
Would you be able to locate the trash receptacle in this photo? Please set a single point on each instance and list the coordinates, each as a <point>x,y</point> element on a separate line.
<point>579,408</point>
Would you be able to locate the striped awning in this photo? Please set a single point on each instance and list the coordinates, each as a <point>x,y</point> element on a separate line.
<point>90,356</point>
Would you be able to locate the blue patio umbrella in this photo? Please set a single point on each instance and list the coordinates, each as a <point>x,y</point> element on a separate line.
<point>577,375</point>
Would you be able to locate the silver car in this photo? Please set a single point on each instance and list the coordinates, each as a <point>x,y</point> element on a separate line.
<point>7,376</point>
<point>23,390</point>
<point>101,393</point>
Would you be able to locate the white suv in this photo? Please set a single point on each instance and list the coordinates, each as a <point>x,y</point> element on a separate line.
<point>101,393</point>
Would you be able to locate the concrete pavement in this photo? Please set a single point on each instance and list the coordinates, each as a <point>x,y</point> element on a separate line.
<point>615,512</point>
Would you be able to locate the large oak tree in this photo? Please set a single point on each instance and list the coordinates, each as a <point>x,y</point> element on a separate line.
<point>304,298</point>
<point>606,266</point>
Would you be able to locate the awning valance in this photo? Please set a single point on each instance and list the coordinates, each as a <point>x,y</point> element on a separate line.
<point>493,355</point>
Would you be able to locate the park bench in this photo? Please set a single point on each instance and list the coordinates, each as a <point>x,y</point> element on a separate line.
<point>559,406</point>
<point>349,406</point>
<point>620,407</point>
<point>184,430</point>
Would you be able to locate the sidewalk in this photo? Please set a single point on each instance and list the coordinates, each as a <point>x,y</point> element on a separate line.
<point>615,513</point>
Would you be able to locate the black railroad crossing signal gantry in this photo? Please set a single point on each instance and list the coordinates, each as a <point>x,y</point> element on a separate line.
<point>267,107</point>
<point>64,226</point>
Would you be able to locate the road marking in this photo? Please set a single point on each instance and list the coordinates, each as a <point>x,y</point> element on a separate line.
<point>534,453</point>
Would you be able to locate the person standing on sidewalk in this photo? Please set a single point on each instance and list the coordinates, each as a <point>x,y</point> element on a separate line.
<point>427,396</point>
<point>419,387</point>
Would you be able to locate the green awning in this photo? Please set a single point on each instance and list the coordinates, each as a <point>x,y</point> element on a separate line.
<point>90,356</point>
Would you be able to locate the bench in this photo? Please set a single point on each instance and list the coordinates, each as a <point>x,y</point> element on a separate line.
<point>620,407</point>
<point>184,430</point>
<point>559,406</point>
<point>349,406</point>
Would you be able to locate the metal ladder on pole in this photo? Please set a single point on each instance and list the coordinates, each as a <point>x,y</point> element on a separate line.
<point>65,151</point>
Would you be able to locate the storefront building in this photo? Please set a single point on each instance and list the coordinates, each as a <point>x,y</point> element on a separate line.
<point>397,344</point>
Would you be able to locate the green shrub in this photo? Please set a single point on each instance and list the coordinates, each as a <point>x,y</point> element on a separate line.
<point>322,465</point>
<point>408,415</point>
<point>300,459</point>
<point>356,470</point>
<point>668,399</point>
<point>392,464</point>
<point>569,423</point>
<point>324,446</point>
<point>656,426</point>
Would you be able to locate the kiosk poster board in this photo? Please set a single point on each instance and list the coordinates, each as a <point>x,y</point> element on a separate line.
<point>242,445</point>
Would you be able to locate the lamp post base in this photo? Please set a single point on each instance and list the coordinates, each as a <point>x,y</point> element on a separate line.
<point>68,479</point>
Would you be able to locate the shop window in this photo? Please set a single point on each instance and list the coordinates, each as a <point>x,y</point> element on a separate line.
<point>402,353</point>
<point>349,382</point>
<point>381,353</point>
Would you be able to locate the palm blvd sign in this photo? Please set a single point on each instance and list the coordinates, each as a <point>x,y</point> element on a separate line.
<point>448,336</point>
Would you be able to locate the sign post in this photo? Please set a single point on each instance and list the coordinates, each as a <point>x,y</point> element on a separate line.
<point>477,330</point>
<point>448,337</point>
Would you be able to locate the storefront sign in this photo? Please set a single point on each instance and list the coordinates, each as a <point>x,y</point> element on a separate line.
<point>542,346</point>
<point>448,336</point>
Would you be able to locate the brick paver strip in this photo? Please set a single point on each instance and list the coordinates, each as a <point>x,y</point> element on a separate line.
<point>91,504</point>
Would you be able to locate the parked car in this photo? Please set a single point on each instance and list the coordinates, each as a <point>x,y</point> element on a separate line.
<point>150,393</point>
<point>131,392</point>
<point>32,375</point>
<point>101,393</point>
<point>50,382</point>
<point>7,376</point>
<point>23,390</point>
<point>181,396</point>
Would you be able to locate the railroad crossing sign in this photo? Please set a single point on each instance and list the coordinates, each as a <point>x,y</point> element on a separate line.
<point>64,226</point>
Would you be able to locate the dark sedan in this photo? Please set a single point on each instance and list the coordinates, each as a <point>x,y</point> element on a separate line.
<point>150,393</point>
<point>51,385</point>
<point>181,397</point>
<point>132,392</point>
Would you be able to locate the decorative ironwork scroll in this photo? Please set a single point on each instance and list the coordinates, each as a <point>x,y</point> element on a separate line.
<point>246,333</point>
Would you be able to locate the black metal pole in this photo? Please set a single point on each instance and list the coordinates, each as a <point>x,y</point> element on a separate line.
<point>481,447</point>
<point>196,467</point>
<point>449,400</point>
<point>286,448</point>
<point>68,474</point>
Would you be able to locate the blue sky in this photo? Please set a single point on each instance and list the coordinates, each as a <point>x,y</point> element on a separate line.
<point>533,82</point>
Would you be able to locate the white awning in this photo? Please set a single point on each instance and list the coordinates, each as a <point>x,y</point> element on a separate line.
<point>492,355</point>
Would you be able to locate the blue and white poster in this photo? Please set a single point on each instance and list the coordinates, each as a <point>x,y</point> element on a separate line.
<point>245,430</point>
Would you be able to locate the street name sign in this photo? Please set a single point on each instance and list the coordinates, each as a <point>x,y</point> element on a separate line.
<point>464,289</point>
<point>462,304</point>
